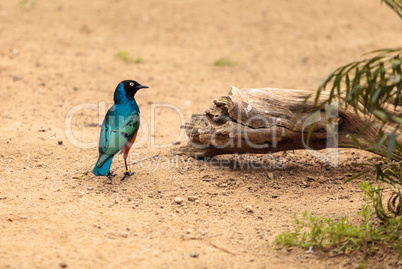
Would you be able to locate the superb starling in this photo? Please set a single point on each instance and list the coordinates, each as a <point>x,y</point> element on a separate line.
<point>119,128</point>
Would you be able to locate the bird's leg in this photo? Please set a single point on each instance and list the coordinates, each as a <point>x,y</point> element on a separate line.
<point>110,176</point>
<point>128,171</point>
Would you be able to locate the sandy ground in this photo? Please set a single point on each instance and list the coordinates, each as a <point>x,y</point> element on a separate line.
<point>61,55</point>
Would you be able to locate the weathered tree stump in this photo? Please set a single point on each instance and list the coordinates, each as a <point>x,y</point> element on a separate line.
<point>272,120</point>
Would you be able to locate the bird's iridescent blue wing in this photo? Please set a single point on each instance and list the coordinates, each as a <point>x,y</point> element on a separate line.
<point>117,130</point>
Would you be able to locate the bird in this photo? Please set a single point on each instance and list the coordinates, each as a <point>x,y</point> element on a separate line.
<point>119,128</point>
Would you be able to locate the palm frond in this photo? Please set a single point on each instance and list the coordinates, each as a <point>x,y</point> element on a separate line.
<point>396,5</point>
<point>375,83</point>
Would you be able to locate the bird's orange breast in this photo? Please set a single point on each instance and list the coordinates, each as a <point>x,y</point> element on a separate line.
<point>127,147</point>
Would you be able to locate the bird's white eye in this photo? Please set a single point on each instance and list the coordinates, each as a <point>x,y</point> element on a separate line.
<point>131,84</point>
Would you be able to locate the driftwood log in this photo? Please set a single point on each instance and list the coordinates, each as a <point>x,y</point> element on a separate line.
<point>272,120</point>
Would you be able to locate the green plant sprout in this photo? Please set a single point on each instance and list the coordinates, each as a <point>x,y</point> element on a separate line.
<point>125,56</point>
<point>225,62</point>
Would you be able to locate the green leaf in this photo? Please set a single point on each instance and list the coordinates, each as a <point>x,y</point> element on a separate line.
<point>356,141</point>
<point>381,142</point>
<point>391,144</point>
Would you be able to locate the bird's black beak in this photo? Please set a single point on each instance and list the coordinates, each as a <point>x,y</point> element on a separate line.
<point>142,87</point>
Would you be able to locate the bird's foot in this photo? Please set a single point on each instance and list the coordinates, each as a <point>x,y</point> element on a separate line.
<point>110,177</point>
<point>110,174</point>
<point>127,174</point>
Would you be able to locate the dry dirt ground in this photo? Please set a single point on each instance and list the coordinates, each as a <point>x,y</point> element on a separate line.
<point>60,55</point>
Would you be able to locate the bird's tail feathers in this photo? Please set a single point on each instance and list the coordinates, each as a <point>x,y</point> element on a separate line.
<point>102,166</point>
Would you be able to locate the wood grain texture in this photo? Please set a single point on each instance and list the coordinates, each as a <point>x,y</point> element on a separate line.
<point>272,120</point>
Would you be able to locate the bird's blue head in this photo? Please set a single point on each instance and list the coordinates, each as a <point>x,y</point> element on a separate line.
<point>126,90</point>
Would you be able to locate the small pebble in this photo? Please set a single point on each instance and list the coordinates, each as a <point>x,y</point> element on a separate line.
<point>178,200</point>
<point>249,209</point>
<point>270,175</point>
<point>63,265</point>
<point>123,235</point>
<point>60,142</point>
<point>194,254</point>
<point>192,198</point>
